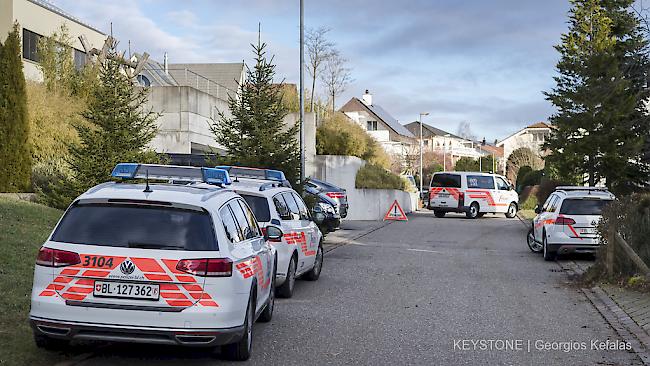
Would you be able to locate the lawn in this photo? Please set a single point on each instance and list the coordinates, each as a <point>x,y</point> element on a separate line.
<point>527,214</point>
<point>24,227</point>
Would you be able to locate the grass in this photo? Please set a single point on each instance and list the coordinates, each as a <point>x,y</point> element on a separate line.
<point>24,227</point>
<point>527,214</point>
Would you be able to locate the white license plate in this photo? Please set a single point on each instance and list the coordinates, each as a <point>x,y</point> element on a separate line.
<point>444,194</point>
<point>126,290</point>
<point>587,231</point>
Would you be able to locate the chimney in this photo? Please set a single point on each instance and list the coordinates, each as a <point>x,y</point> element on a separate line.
<point>367,98</point>
<point>166,64</point>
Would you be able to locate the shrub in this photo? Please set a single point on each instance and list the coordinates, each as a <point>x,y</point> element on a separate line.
<point>523,171</point>
<point>376,177</point>
<point>546,187</point>
<point>532,178</point>
<point>466,164</point>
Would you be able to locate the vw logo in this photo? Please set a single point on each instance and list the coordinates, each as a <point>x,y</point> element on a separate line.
<point>594,222</point>
<point>127,267</point>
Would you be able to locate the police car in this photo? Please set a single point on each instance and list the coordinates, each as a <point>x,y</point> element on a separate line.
<point>275,203</point>
<point>567,221</point>
<point>156,263</point>
<point>472,193</point>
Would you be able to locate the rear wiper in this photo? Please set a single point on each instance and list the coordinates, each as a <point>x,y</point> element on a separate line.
<point>134,244</point>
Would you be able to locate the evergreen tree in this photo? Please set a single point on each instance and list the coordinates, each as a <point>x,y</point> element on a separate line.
<point>256,134</point>
<point>600,126</point>
<point>15,154</point>
<point>118,128</point>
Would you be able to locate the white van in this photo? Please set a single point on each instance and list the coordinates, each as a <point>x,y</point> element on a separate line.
<point>473,193</point>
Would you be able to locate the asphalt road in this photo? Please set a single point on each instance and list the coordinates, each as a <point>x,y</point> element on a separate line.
<point>405,293</point>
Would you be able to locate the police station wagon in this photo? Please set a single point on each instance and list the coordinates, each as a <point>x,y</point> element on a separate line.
<point>156,263</point>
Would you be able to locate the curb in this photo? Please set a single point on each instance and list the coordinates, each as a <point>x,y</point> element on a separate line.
<point>346,241</point>
<point>526,222</point>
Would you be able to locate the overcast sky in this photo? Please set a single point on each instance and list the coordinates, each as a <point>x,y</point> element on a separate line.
<point>484,62</point>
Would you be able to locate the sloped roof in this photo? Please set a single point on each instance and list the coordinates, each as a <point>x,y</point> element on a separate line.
<point>155,72</point>
<point>497,151</point>
<point>539,125</point>
<point>227,75</point>
<point>534,125</point>
<point>55,9</point>
<point>432,131</point>
<point>353,105</point>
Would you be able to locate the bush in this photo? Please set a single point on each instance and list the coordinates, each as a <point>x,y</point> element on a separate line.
<point>376,177</point>
<point>532,178</point>
<point>546,187</point>
<point>529,203</point>
<point>523,171</point>
<point>466,164</point>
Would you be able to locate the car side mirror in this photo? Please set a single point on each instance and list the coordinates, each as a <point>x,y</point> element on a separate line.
<point>273,233</point>
<point>318,215</point>
<point>538,209</point>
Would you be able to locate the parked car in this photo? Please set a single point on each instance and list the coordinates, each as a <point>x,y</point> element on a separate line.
<point>328,207</point>
<point>337,194</point>
<point>473,193</point>
<point>276,204</point>
<point>156,263</point>
<point>566,222</point>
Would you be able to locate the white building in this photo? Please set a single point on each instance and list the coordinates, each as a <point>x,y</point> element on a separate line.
<point>39,18</point>
<point>532,137</point>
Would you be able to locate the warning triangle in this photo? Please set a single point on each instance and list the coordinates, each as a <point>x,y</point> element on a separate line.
<point>395,212</point>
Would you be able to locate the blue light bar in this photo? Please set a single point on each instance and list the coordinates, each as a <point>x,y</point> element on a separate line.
<point>125,170</point>
<point>254,173</point>
<point>216,176</point>
<point>275,175</point>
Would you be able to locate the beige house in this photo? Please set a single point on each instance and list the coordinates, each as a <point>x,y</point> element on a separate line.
<point>437,140</point>
<point>38,18</point>
<point>532,137</point>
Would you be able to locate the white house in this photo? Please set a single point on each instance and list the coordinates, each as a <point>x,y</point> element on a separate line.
<point>532,137</point>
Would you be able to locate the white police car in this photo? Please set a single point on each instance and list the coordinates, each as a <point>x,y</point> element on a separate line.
<point>275,203</point>
<point>156,263</point>
<point>567,221</point>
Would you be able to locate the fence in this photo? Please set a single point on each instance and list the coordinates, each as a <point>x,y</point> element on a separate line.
<point>185,77</point>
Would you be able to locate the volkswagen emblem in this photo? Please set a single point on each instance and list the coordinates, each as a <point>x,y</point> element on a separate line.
<point>594,222</point>
<point>127,267</point>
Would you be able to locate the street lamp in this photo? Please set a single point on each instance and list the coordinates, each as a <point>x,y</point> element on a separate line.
<point>421,147</point>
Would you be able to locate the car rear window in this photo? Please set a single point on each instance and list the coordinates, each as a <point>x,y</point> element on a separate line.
<point>480,181</point>
<point>260,207</point>
<point>583,206</point>
<point>137,226</point>
<point>445,180</point>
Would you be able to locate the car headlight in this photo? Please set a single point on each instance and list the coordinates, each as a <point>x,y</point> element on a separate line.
<point>327,208</point>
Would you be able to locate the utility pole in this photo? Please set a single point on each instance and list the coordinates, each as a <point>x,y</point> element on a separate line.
<point>421,147</point>
<point>302,91</point>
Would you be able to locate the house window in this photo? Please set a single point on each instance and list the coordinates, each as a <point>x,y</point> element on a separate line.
<point>426,142</point>
<point>30,45</point>
<point>143,81</point>
<point>79,59</point>
<point>372,125</point>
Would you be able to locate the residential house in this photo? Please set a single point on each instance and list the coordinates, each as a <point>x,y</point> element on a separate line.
<point>452,147</point>
<point>532,137</point>
<point>378,123</point>
<point>39,18</point>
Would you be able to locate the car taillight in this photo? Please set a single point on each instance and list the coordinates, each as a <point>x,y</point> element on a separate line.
<point>561,220</point>
<point>56,258</point>
<point>206,267</point>
<point>335,194</point>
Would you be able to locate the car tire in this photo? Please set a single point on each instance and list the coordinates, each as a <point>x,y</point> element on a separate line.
<point>532,244</point>
<point>241,350</point>
<point>512,210</point>
<point>314,273</point>
<point>439,214</point>
<point>286,290</point>
<point>267,313</point>
<point>49,343</point>
<point>473,211</point>
<point>548,255</point>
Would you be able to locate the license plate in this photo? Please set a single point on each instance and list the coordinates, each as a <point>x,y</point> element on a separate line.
<point>444,194</point>
<point>587,231</point>
<point>126,290</point>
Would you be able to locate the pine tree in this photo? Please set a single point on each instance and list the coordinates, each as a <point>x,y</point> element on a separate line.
<point>600,125</point>
<point>118,128</point>
<point>256,134</point>
<point>15,153</point>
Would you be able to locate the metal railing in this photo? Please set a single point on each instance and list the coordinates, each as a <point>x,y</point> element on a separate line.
<point>185,77</point>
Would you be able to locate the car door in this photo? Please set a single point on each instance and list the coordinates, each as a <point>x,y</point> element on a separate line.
<point>252,242</point>
<point>298,234</point>
<point>503,194</point>
<point>310,245</point>
<point>542,217</point>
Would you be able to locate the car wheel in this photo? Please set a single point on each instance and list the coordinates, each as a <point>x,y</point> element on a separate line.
<point>473,211</point>
<point>50,344</point>
<point>533,245</point>
<point>267,313</point>
<point>286,290</point>
<point>318,265</point>
<point>439,214</point>
<point>548,255</point>
<point>512,210</point>
<point>241,351</point>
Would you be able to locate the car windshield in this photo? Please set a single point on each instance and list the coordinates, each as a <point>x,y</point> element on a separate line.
<point>137,226</point>
<point>260,207</point>
<point>446,180</point>
<point>583,206</point>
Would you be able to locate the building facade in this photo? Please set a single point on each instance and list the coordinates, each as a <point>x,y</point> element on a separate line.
<point>38,18</point>
<point>532,137</point>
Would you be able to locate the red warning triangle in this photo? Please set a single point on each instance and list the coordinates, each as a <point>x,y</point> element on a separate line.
<point>395,212</point>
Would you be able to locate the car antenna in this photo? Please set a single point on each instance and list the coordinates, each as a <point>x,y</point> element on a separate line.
<point>147,189</point>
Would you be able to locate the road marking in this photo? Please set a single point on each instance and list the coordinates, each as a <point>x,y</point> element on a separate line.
<point>424,250</point>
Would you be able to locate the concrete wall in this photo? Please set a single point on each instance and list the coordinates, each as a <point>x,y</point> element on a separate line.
<point>365,204</point>
<point>310,138</point>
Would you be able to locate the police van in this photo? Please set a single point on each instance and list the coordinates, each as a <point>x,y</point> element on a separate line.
<point>156,263</point>
<point>472,193</point>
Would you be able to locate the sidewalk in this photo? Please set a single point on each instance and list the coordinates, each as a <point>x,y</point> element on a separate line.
<point>349,231</point>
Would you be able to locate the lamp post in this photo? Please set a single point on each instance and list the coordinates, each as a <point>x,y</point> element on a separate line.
<point>421,147</point>
<point>302,92</point>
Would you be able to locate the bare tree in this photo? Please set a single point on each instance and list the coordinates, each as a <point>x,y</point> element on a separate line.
<point>318,50</point>
<point>519,158</point>
<point>642,11</point>
<point>336,75</point>
<point>464,130</point>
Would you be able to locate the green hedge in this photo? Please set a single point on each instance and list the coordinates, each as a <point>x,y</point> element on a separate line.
<point>376,177</point>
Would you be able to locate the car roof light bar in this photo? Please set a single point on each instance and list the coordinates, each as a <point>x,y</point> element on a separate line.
<point>171,172</point>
